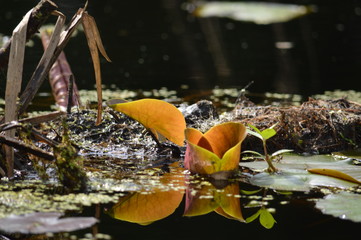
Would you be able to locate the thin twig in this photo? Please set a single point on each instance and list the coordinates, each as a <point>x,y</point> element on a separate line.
<point>70,94</point>
<point>27,148</point>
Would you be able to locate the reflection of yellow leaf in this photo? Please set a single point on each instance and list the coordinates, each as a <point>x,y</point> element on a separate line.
<point>145,208</point>
<point>229,204</point>
<point>156,115</point>
<point>201,201</point>
<point>95,44</point>
<point>333,173</point>
<point>217,150</point>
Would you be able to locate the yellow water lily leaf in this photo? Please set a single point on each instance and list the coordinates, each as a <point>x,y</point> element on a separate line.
<point>333,173</point>
<point>224,136</point>
<point>198,159</point>
<point>156,115</point>
<point>217,150</point>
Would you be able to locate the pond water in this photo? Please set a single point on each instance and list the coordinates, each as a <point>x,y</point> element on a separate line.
<point>181,207</point>
<point>156,44</point>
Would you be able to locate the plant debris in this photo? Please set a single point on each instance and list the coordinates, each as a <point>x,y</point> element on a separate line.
<point>316,126</point>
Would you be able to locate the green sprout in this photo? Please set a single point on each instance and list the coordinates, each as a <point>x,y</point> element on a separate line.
<point>265,218</point>
<point>264,136</point>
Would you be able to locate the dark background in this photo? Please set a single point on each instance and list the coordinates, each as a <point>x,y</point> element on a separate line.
<point>158,43</point>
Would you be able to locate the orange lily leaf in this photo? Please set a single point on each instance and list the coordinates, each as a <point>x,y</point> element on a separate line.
<point>156,115</point>
<point>333,173</point>
<point>224,136</point>
<point>198,159</point>
<point>217,150</point>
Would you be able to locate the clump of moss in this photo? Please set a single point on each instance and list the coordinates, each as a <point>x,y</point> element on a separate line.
<point>69,164</point>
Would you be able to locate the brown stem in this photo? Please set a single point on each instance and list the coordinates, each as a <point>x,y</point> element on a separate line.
<point>43,67</point>
<point>27,148</point>
<point>271,167</point>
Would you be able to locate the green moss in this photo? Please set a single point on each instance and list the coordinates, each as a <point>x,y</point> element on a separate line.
<point>35,196</point>
<point>69,164</point>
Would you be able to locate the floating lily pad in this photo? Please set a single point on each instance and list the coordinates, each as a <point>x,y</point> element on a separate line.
<point>257,12</point>
<point>343,205</point>
<point>293,175</point>
<point>297,180</point>
<point>41,222</point>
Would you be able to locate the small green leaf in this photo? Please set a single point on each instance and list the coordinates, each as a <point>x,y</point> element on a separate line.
<point>268,133</point>
<point>253,152</point>
<point>282,151</point>
<point>251,192</point>
<point>266,219</point>
<point>253,217</point>
<point>256,134</point>
<point>255,129</point>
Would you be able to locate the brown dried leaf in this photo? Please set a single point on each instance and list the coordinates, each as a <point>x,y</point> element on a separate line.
<point>59,76</point>
<point>44,65</point>
<point>13,83</point>
<point>95,44</point>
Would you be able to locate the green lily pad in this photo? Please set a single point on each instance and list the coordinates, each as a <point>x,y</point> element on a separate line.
<point>343,205</point>
<point>293,174</point>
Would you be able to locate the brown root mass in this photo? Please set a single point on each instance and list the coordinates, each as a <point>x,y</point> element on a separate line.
<point>317,126</point>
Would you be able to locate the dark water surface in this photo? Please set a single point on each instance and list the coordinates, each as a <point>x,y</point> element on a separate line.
<point>159,44</point>
<point>295,220</point>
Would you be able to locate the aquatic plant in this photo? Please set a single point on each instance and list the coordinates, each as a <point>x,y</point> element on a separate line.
<point>217,152</point>
<point>265,218</point>
<point>264,136</point>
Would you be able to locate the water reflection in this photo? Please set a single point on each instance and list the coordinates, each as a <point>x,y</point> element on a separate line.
<point>205,197</point>
<point>147,206</point>
<point>201,197</point>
